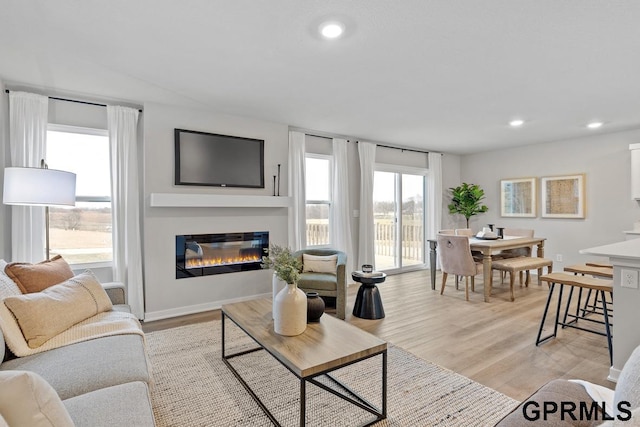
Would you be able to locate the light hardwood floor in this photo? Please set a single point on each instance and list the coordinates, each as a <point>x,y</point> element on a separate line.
<point>492,343</point>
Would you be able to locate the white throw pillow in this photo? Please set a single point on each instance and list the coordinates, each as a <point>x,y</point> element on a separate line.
<point>26,399</point>
<point>319,263</point>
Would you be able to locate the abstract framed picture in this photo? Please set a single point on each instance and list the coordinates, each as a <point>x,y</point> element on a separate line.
<point>518,197</point>
<point>563,196</point>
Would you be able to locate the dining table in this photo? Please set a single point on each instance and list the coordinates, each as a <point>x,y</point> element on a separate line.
<point>488,247</point>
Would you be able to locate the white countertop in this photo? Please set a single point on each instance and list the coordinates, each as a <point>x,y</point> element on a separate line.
<point>629,249</point>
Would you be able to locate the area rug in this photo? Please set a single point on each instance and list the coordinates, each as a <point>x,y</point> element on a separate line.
<point>193,387</point>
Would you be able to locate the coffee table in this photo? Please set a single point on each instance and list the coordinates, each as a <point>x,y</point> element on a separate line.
<point>322,348</point>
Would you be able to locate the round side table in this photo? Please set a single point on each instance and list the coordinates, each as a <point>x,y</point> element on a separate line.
<point>368,301</point>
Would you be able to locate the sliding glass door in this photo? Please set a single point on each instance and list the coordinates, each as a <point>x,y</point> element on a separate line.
<point>398,204</point>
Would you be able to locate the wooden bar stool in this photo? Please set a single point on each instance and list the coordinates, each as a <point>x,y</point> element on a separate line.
<point>599,285</point>
<point>598,270</point>
<point>520,264</point>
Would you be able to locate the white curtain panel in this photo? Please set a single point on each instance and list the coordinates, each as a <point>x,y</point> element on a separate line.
<point>340,220</point>
<point>28,117</point>
<point>297,210</point>
<point>125,202</point>
<point>366,251</point>
<point>434,197</point>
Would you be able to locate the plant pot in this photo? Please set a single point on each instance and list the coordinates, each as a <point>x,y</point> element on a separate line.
<point>290,311</point>
<point>315,307</point>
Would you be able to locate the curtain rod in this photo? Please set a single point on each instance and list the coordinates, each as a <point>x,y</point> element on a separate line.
<point>75,100</point>
<point>321,134</point>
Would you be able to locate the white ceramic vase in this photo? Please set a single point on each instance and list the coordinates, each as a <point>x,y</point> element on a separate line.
<point>290,311</point>
<point>277,285</point>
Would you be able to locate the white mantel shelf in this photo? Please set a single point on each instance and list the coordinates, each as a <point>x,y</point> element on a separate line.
<point>182,200</point>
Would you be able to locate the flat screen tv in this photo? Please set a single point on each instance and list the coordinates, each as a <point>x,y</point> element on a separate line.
<point>218,160</point>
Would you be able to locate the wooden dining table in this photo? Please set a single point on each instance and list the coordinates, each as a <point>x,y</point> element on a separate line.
<point>487,248</point>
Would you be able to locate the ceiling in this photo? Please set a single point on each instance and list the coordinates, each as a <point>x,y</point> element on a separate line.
<point>443,75</point>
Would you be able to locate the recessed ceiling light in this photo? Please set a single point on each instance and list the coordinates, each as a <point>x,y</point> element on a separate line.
<point>516,123</point>
<point>331,30</point>
<point>595,125</point>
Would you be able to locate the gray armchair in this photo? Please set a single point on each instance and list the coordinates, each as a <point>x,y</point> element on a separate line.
<point>326,284</point>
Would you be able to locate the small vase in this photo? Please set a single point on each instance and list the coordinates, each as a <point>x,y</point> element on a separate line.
<point>290,311</point>
<point>277,285</point>
<point>315,307</point>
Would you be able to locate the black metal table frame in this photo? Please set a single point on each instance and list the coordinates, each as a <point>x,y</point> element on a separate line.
<point>354,398</point>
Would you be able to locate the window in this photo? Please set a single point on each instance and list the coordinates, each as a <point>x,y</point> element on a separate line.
<point>82,234</point>
<point>318,195</point>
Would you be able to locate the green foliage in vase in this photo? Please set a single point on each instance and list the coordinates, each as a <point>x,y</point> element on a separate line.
<point>465,200</point>
<point>281,259</point>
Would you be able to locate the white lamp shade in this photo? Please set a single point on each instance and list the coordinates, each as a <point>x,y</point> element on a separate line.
<point>39,187</point>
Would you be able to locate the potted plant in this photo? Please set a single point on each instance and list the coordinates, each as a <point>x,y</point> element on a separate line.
<point>466,200</point>
<point>290,303</point>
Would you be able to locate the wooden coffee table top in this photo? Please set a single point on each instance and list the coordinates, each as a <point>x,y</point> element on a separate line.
<point>328,344</point>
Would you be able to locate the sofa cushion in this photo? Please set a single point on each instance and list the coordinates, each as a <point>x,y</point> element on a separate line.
<point>89,365</point>
<point>318,281</point>
<point>120,405</point>
<point>553,391</point>
<point>27,400</point>
<point>319,263</point>
<point>36,277</point>
<point>43,315</point>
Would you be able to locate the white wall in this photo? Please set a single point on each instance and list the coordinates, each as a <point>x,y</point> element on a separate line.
<point>165,295</point>
<point>605,159</point>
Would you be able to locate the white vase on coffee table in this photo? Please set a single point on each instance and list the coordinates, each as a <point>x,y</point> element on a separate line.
<point>290,311</point>
<point>277,284</point>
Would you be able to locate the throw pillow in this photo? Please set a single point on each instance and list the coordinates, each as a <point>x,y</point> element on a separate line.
<point>26,399</point>
<point>43,315</point>
<point>37,277</point>
<point>319,263</point>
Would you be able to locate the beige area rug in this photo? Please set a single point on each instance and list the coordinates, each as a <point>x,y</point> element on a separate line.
<point>193,387</point>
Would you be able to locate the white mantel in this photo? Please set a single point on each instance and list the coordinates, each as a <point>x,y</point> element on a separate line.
<point>626,301</point>
<point>192,200</point>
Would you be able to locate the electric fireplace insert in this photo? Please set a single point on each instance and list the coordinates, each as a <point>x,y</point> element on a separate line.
<point>207,254</point>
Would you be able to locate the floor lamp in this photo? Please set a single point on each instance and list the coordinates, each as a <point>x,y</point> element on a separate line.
<point>39,187</point>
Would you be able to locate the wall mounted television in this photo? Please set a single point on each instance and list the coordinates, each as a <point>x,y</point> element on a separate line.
<point>218,160</point>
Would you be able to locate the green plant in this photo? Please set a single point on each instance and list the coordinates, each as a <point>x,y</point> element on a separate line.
<point>465,200</point>
<point>281,259</point>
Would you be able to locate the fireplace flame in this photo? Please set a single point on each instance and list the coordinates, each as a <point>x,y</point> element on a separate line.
<point>214,262</point>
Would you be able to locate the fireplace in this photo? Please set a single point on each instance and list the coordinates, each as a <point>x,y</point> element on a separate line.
<point>207,254</point>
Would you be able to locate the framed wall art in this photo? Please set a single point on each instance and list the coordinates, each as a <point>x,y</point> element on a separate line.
<point>563,196</point>
<point>518,197</point>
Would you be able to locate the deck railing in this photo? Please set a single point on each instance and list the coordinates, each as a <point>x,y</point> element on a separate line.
<point>412,239</point>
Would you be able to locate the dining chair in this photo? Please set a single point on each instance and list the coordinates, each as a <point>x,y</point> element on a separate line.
<point>455,258</point>
<point>518,252</point>
<point>463,232</point>
<point>447,231</point>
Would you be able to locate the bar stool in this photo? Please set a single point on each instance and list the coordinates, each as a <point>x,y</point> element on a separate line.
<point>599,285</point>
<point>598,270</point>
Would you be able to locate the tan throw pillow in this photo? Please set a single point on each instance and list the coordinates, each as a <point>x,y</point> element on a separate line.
<point>43,315</point>
<point>37,277</point>
<point>26,399</point>
<point>319,264</point>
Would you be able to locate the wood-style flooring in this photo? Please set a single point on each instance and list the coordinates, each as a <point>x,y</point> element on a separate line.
<point>492,343</point>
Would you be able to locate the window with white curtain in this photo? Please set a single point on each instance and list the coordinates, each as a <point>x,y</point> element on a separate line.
<point>318,198</point>
<point>82,234</point>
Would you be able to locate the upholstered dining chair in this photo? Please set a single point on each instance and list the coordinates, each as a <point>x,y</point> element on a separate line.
<point>455,258</point>
<point>463,232</point>
<point>323,281</point>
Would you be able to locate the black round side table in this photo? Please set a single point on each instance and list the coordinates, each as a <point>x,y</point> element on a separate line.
<point>368,302</point>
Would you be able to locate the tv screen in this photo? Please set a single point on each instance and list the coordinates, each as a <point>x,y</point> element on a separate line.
<point>218,160</point>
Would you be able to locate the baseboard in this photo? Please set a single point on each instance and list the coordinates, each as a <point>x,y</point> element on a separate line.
<point>150,316</point>
<point>614,374</point>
